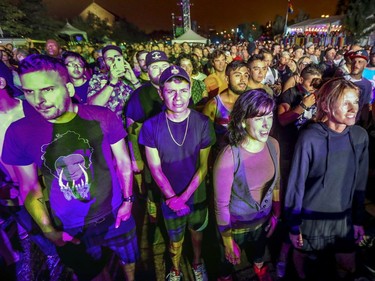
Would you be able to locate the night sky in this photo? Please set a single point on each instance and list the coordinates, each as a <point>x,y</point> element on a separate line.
<point>151,15</point>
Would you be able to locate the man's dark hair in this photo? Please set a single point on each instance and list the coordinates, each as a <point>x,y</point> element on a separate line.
<point>311,70</point>
<point>265,51</point>
<point>233,65</point>
<point>34,63</point>
<point>274,45</point>
<point>253,58</point>
<point>217,53</point>
<point>139,53</point>
<point>87,72</point>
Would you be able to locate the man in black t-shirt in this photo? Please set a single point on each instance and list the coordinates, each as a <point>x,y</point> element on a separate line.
<point>81,153</point>
<point>177,144</point>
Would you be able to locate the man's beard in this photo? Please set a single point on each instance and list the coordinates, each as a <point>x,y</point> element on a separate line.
<point>236,91</point>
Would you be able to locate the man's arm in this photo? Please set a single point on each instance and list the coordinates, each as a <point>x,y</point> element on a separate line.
<point>161,180</point>
<point>199,175</point>
<point>31,194</point>
<point>101,97</point>
<point>133,129</point>
<point>210,109</point>
<point>125,176</point>
<point>287,115</point>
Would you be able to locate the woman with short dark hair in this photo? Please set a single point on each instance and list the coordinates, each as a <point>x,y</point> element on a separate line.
<point>246,183</point>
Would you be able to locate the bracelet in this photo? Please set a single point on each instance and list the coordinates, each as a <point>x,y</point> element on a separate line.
<point>110,84</point>
<point>304,106</point>
<point>171,197</point>
<point>276,218</point>
<point>131,199</point>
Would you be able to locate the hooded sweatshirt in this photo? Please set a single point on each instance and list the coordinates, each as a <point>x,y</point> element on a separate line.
<point>328,175</point>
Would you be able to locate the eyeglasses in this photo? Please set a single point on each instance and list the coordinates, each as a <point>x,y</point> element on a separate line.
<point>73,65</point>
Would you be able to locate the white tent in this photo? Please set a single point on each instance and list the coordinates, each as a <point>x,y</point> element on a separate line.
<point>191,37</point>
<point>72,32</point>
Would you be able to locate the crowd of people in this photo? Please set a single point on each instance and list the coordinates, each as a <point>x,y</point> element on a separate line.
<point>254,138</point>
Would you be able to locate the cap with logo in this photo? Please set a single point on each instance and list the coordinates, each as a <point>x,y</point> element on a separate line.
<point>155,56</point>
<point>359,54</point>
<point>348,54</point>
<point>173,71</point>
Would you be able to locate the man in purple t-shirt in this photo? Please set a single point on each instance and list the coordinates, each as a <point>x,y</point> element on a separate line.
<point>177,143</point>
<point>81,153</point>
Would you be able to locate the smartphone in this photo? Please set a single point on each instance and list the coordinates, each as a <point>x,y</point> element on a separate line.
<point>119,64</point>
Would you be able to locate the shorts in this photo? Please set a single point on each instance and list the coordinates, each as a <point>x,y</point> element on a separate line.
<point>253,242</point>
<point>87,259</point>
<point>197,220</point>
<point>336,235</point>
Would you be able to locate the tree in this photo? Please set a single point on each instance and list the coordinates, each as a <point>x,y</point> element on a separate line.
<point>250,31</point>
<point>301,16</point>
<point>342,7</point>
<point>95,27</point>
<point>11,20</point>
<point>278,25</point>
<point>360,18</point>
<point>38,20</point>
<point>124,31</point>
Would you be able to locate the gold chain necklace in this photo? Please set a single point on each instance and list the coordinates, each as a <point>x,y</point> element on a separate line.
<point>170,132</point>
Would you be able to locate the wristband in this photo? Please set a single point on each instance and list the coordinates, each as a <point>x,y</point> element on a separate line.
<point>110,84</point>
<point>276,218</point>
<point>304,106</point>
<point>131,199</point>
<point>171,197</point>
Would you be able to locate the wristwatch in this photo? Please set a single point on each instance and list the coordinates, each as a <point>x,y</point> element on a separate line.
<point>304,106</point>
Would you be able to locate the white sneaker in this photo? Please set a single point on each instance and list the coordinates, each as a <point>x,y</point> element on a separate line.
<point>200,273</point>
<point>172,276</point>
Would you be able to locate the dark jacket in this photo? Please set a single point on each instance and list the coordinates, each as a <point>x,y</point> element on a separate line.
<point>309,192</point>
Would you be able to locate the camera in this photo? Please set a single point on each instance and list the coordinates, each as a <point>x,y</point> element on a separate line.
<point>119,64</point>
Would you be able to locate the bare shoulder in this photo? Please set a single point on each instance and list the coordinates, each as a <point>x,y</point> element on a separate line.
<point>210,108</point>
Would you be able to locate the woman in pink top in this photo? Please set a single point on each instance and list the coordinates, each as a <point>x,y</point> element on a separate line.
<point>246,183</point>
